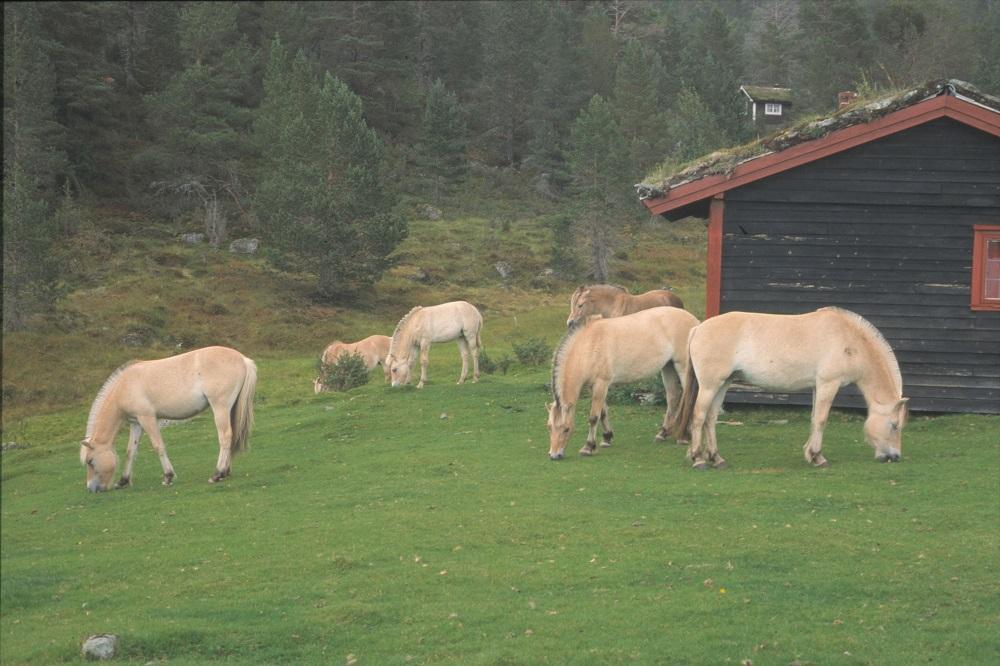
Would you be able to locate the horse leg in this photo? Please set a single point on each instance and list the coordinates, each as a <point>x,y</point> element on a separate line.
<point>702,407</point>
<point>672,389</point>
<point>225,429</point>
<point>134,434</point>
<point>823,396</point>
<point>718,462</point>
<point>425,353</point>
<point>151,427</point>
<point>606,425</point>
<point>463,349</point>
<point>474,350</point>
<point>599,392</point>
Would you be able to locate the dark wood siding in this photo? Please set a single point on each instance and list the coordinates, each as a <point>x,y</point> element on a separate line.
<point>885,230</point>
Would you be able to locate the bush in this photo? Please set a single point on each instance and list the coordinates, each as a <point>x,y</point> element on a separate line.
<point>532,352</point>
<point>347,372</point>
<point>489,366</point>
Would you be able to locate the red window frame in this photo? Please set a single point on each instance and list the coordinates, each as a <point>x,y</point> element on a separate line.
<point>982,234</point>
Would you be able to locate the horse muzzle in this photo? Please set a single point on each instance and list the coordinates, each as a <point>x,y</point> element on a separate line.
<point>556,456</point>
<point>95,486</point>
<point>891,455</point>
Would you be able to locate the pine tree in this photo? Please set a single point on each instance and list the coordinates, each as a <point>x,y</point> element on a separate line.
<point>202,118</point>
<point>712,66</point>
<point>32,164</point>
<point>510,51</point>
<point>638,107</point>
<point>834,50</point>
<point>601,180</point>
<point>322,196</point>
<point>694,130</point>
<point>441,153</point>
<point>557,98</point>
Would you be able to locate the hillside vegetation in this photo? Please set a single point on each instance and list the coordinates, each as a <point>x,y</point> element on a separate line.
<point>141,293</point>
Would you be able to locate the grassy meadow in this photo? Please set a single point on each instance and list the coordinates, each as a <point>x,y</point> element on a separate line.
<point>381,526</point>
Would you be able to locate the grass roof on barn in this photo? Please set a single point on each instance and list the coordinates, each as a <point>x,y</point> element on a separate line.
<point>769,94</point>
<point>722,162</point>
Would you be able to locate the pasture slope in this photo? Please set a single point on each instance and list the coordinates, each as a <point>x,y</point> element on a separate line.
<point>381,526</point>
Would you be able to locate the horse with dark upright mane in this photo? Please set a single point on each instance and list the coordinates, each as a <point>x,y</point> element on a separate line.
<point>822,350</point>
<point>609,300</point>
<point>457,320</point>
<point>602,352</point>
<point>169,389</point>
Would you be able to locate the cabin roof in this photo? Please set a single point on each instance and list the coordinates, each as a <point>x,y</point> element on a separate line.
<point>768,94</point>
<point>686,189</point>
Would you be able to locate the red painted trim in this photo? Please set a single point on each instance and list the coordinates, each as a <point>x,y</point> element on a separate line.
<point>980,234</point>
<point>713,279</point>
<point>942,106</point>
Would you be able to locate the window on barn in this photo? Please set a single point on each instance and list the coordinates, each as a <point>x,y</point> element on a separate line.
<point>986,267</point>
<point>772,109</point>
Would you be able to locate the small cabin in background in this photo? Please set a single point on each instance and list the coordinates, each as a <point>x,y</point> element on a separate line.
<point>890,209</point>
<point>766,106</point>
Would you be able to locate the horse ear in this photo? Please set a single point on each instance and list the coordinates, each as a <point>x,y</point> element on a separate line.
<point>901,410</point>
<point>86,443</point>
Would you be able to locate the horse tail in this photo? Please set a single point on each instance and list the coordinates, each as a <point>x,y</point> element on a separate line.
<point>241,416</point>
<point>680,424</point>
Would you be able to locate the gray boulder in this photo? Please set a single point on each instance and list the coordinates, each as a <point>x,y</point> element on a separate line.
<point>244,246</point>
<point>101,646</point>
<point>192,239</point>
<point>504,269</point>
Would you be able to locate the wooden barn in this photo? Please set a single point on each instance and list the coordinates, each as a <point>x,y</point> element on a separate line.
<point>890,209</point>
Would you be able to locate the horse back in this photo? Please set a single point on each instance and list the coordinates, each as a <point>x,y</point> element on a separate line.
<point>181,386</point>
<point>784,352</point>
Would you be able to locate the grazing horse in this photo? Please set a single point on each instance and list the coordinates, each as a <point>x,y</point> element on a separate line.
<point>825,350</point>
<point>421,326</point>
<point>171,389</point>
<point>373,350</point>
<point>602,352</point>
<point>609,300</point>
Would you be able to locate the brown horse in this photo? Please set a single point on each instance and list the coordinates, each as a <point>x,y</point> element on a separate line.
<point>421,326</point>
<point>171,389</point>
<point>823,350</point>
<point>603,352</point>
<point>373,350</point>
<point>610,300</point>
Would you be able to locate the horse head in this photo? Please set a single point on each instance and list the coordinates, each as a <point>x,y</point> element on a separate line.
<point>579,306</point>
<point>101,464</point>
<point>399,370</point>
<point>884,429</point>
<point>560,426</point>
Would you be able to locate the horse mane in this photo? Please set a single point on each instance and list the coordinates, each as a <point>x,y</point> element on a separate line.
<point>559,356</point>
<point>397,333</point>
<point>102,396</point>
<point>616,287</point>
<point>875,336</point>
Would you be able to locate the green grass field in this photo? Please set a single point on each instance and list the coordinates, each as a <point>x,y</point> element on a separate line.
<point>382,526</point>
<point>401,526</point>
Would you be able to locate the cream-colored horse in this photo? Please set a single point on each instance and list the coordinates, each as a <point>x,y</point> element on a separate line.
<point>610,300</point>
<point>373,350</point>
<point>171,389</point>
<point>823,350</point>
<point>421,326</point>
<point>602,352</point>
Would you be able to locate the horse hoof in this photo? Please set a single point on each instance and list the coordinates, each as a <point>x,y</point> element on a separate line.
<point>700,466</point>
<point>124,482</point>
<point>722,464</point>
<point>605,444</point>
<point>586,452</point>
<point>822,464</point>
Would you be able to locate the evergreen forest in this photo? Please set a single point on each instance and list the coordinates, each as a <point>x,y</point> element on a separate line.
<point>319,127</point>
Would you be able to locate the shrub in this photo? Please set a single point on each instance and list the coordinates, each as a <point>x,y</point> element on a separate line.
<point>532,352</point>
<point>347,372</point>
<point>488,366</point>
